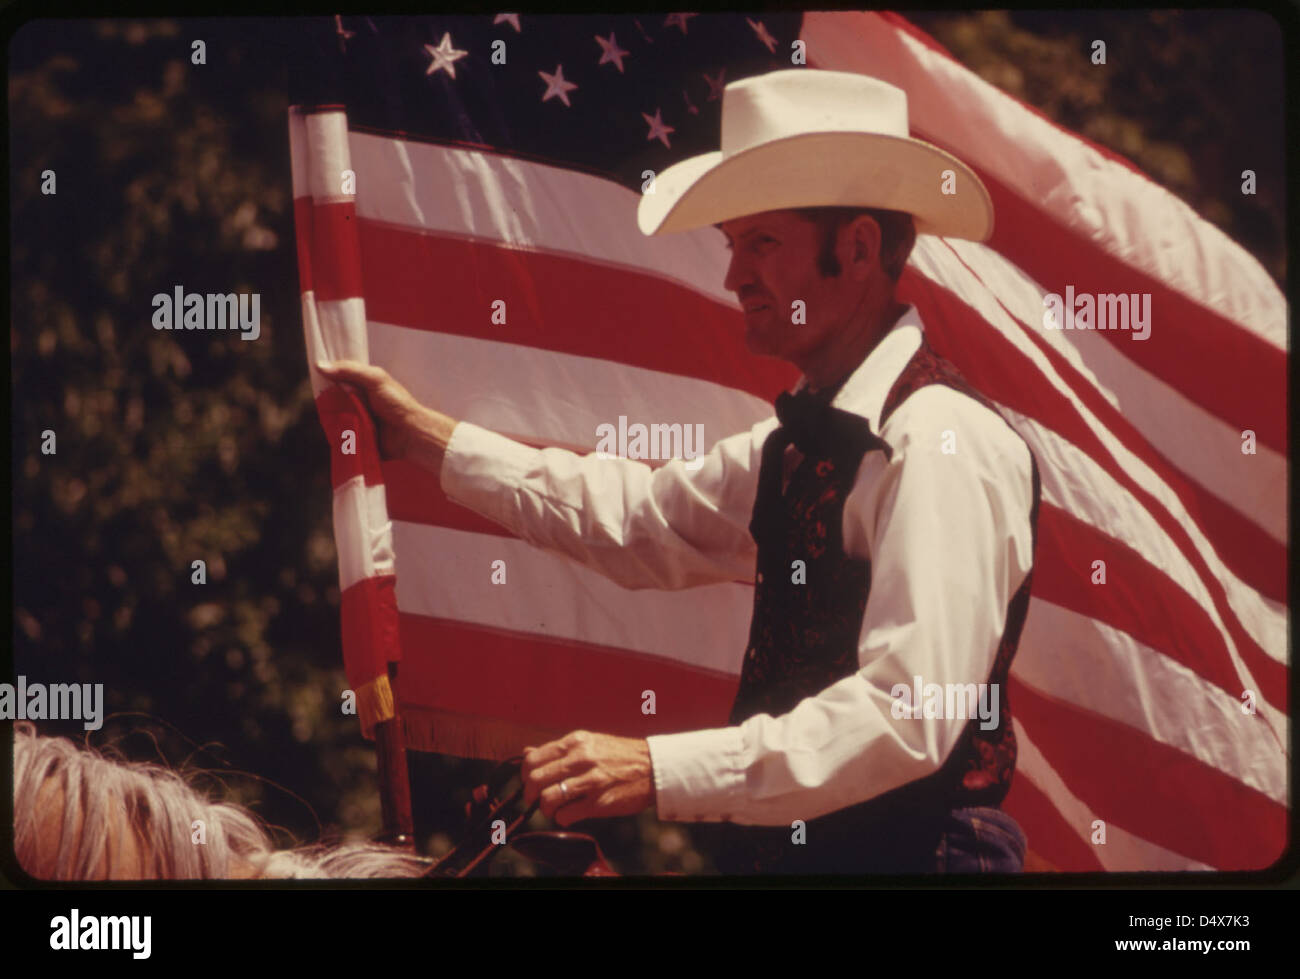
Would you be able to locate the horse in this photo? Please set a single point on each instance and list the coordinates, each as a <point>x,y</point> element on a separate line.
<point>81,815</point>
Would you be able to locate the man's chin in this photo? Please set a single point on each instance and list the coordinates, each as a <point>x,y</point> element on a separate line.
<point>759,344</point>
<point>761,347</point>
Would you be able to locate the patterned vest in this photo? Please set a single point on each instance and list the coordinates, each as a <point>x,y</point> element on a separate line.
<point>804,637</point>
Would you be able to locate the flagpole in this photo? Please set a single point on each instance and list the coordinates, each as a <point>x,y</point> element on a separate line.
<point>394,777</point>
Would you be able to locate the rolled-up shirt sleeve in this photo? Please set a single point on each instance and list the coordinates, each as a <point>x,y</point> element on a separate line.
<point>683,524</point>
<point>945,523</point>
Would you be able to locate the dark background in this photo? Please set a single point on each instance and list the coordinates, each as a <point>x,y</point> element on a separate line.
<point>174,446</point>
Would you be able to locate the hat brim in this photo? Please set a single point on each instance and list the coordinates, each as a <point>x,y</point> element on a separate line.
<point>833,169</point>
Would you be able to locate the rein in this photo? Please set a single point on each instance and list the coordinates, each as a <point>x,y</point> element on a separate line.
<point>572,854</point>
<point>484,808</point>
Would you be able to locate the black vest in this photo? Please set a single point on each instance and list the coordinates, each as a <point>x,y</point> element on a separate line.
<point>804,638</point>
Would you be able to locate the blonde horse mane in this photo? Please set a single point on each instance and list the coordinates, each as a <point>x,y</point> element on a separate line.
<point>105,801</point>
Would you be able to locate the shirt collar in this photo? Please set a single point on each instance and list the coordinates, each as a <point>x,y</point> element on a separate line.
<point>867,387</point>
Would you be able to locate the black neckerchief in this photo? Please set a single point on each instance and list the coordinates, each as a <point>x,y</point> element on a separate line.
<point>818,430</point>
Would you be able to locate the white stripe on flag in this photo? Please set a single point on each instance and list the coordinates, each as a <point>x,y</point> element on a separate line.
<point>327,146</point>
<point>546,594</point>
<point>362,532</point>
<point>335,330</point>
<point>462,203</point>
<point>554,396</point>
<point>1087,663</point>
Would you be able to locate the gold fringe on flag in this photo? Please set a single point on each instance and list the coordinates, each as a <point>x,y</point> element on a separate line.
<point>375,704</point>
<point>466,736</point>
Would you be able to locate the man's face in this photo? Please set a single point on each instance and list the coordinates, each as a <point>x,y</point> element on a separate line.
<point>773,264</point>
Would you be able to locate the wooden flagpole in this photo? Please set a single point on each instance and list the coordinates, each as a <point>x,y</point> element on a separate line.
<point>394,778</point>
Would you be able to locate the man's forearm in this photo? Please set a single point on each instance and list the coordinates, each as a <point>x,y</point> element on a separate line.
<point>431,433</point>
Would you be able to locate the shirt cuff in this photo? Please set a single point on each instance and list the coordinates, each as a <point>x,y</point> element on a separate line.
<point>482,470</point>
<point>699,775</point>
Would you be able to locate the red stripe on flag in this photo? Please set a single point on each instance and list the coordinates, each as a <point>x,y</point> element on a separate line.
<point>540,682</point>
<point>1046,831</point>
<point>1137,598</point>
<point>341,411</point>
<point>368,610</point>
<point>336,266</point>
<point>1151,790</point>
<point>415,495</point>
<point>559,303</point>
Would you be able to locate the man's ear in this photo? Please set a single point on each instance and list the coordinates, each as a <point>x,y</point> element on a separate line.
<point>864,252</point>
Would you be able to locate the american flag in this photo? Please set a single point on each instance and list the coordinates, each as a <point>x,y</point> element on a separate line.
<point>444,166</point>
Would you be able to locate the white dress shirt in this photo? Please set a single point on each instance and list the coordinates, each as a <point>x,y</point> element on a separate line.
<point>944,523</point>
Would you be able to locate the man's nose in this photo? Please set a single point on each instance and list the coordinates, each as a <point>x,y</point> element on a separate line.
<point>738,274</point>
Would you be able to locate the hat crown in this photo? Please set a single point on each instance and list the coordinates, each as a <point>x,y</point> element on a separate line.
<point>807,137</point>
<point>797,101</point>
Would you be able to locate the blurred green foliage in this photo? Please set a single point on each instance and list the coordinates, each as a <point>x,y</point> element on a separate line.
<point>173,446</point>
<point>176,446</point>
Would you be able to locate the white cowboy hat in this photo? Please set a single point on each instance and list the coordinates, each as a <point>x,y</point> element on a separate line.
<point>805,137</point>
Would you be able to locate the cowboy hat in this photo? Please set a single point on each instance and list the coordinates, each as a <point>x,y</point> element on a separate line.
<point>805,137</point>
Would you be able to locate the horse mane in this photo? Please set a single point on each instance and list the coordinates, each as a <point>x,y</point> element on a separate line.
<point>105,800</point>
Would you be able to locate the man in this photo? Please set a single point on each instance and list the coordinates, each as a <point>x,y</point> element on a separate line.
<point>887,513</point>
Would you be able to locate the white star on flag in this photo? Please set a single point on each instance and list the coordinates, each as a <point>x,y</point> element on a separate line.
<point>511,19</point>
<point>715,84</point>
<point>444,56</point>
<point>556,85</point>
<point>612,52</point>
<point>678,20</point>
<point>762,33</point>
<point>657,128</point>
